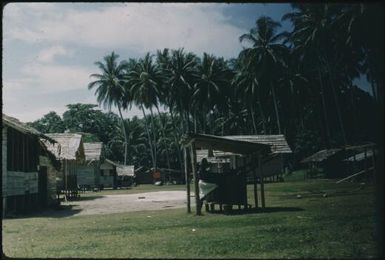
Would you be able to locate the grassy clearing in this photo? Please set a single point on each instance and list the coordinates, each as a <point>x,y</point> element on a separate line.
<point>338,225</point>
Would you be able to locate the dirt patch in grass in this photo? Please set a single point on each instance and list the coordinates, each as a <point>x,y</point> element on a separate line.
<point>119,203</point>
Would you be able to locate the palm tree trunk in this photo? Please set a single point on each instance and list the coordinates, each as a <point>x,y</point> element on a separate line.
<point>125,135</point>
<point>154,135</point>
<point>263,116</point>
<point>149,138</point>
<point>164,136</point>
<point>324,109</point>
<point>253,119</point>
<point>276,108</point>
<point>341,123</point>
<point>176,134</point>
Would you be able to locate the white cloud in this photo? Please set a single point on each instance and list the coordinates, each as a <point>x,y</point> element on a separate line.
<point>49,78</point>
<point>137,26</point>
<point>35,85</point>
<point>48,55</point>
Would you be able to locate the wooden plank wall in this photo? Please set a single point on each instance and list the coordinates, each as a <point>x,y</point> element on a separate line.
<point>51,179</point>
<point>4,167</point>
<point>86,175</point>
<point>20,183</point>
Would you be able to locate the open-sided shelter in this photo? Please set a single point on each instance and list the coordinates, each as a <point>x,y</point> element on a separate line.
<point>70,151</point>
<point>272,164</point>
<point>333,161</point>
<point>234,182</point>
<point>26,184</point>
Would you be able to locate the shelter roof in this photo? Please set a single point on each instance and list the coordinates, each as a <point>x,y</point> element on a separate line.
<point>225,144</point>
<point>277,143</point>
<point>93,151</point>
<point>69,147</point>
<point>321,155</point>
<point>125,170</point>
<point>24,128</point>
<point>360,156</point>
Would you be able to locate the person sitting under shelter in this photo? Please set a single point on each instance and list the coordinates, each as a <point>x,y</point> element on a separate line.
<point>206,181</point>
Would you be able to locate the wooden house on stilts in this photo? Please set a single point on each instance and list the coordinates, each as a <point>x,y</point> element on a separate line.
<point>70,151</point>
<point>88,174</point>
<point>26,183</point>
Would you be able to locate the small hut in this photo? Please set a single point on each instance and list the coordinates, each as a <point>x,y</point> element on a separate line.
<point>107,178</point>
<point>70,151</point>
<point>125,175</point>
<point>228,187</point>
<point>272,164</point>
<point>88,174</point>
<point>26,184</point>
<point>143,176</point>
<point>334,161</point>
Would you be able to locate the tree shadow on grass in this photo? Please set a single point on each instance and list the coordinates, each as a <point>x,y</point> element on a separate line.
<point>59,211</point>
<point>255,210</point>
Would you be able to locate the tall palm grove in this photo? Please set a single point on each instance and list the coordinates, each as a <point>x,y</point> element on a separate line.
<point>298,83</point>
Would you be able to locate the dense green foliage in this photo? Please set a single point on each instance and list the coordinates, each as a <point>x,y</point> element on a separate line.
<point>297,83</point>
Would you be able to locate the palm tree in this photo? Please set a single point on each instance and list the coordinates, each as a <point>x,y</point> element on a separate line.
<point>212,83</point>
<point>144,81</point>
<point>268,52</point>
<point>180,75</point>
<point>110,88</point>
<point>247,89</point>
<point>312,33</point>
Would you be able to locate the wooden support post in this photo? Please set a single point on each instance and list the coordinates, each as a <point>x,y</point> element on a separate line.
<point>187,181</point>
<point>366,160</point>
<point>255,187</point>
<point>262,182</point>
<point>193,166</point>
<point>374,163</point>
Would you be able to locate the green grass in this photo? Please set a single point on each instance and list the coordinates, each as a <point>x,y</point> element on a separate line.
<point>339,225</point>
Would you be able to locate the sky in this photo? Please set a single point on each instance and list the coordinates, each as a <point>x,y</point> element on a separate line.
<point>49,49</point>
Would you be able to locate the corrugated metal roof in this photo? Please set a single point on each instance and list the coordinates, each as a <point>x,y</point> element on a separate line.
<point>278,143</point>
<point>93,151</point>
<point>360,156</point>
<point>70,145</point>
<point>203,141</point>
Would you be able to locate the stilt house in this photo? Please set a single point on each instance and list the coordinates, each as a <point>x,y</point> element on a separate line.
<point>88,174</point>
<point>70,151</point>
<point>26,183</point>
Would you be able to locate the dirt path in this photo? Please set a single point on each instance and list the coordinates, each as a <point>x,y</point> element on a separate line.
<point>130,202</point>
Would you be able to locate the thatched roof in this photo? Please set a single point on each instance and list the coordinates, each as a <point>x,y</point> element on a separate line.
<point>321,155</point>
<point>24,128</point>
<point>70,146</point>
<point>125,170</point>
<point>93,151</point>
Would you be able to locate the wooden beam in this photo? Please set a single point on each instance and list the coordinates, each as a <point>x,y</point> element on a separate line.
<point>187,180</point>
<point>374,163</point>
<point>354,175</point>
<point>193,166</point>
<point>262,182</point>
<point>255,187</point>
